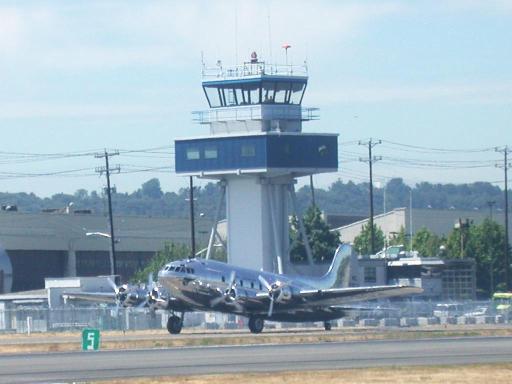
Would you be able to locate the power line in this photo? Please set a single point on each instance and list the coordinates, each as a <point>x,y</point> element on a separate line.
<point>434,149</point>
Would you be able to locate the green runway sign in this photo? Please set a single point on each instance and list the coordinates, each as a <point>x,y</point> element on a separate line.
<point>90,339</point>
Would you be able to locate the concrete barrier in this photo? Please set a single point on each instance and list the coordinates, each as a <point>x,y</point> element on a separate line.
<point>447,320</point>
<point>390,322</point>
<point>409,322</point>
<point>347,323</point>
<point>422,321</point>
<point>485,320</point>
<point>466,320</point>
<point>368,322</point>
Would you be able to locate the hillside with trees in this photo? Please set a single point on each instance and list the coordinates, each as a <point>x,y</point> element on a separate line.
<point>340,197</point>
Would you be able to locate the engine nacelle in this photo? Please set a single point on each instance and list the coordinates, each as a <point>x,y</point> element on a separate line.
<point>157,300</point>
<point>284,294</point>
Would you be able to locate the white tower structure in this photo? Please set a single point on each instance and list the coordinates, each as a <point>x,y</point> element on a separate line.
<point>256,149</point>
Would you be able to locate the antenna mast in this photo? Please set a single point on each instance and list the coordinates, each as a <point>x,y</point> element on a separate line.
<point>236,32</point>
<point>269,34</point>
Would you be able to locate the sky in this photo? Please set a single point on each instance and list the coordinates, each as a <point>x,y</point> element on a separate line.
<point>431,79</point>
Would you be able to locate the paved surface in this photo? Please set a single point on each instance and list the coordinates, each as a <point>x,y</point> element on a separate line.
<point>79,366</point>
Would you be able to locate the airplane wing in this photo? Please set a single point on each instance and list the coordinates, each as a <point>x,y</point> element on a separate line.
<point>98,297</point>
<point>339,296</point>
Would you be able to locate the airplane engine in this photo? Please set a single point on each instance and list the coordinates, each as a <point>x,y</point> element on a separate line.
<point>133,298</point>
<point>284,294</point>
<point>157,300</point>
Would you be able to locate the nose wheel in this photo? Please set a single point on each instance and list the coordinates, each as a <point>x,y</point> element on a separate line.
<point>174,324</point>
<point>256,324</point>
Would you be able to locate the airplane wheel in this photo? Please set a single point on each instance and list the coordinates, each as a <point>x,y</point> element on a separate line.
<point>256,324</point>
<point>174,324</point>
<point>327,325</point>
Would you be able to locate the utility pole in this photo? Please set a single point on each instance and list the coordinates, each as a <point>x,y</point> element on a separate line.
<point>491,204</point>
<point>506,165</point>
<point>312,187</point>
<point>463,227</point>
<point>371,159</point>
<point>192,218</point>
<point>107,170</point>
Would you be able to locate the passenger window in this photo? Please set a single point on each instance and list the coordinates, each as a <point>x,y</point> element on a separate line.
<point>223,279</point>
<point>241,283</point>
<point>252,284</point>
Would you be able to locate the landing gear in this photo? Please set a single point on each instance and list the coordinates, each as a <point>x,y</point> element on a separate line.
<point>327,325</point>
<point>174,324</point>
<point>256,324</point>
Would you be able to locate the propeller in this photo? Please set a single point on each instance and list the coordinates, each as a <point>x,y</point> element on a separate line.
<point>154,298</point>
<point>229,296</point>
<point>277,292</point>
<point>131,295</point>
<point>120,293</point>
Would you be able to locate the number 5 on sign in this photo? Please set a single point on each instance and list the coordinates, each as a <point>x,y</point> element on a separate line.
<point>90,339</point>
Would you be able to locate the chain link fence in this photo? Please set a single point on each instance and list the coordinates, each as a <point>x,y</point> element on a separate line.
<point>411,313</point>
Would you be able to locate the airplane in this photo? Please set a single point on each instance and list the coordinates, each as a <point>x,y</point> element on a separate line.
<point>197,284</point>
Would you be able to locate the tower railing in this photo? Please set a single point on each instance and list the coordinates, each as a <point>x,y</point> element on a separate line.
<point>255,112</point>
<point>253,69</point>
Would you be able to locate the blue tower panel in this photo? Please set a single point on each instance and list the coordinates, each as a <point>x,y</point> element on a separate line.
<point>302,151</point>
<point>217,154</point>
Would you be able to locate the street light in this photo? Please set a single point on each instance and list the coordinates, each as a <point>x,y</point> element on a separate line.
<point>111,255</point>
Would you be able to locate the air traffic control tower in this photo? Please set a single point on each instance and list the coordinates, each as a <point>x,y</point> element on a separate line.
<point>257,150</point>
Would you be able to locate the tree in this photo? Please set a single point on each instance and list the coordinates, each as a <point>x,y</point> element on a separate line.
<point>151,189</point>
<point>426,242</point>
<point>400,238</point>
<point>172,251</point>
<point>485,244</point>
<point>322,241</point>
<point>362,242</point>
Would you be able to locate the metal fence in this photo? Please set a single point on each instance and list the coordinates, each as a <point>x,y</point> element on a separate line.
<point>411,313</point>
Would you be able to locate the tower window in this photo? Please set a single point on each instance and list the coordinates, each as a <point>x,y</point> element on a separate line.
<point>193,154</point>
<point>213,96</point>
<point>248,151</point>
<point>297,91</point>
<point>210,153</point>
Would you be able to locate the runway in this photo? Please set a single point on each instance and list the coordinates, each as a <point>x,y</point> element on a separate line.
<point>80,366</point>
